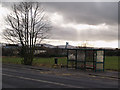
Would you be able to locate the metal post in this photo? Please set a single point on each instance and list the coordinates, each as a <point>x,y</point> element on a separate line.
<point>67,58</point>
<point>56,60</point>
<point>95,60</point>
<point>85,61</point>
<point>103,60</point>
<point>76,60</point>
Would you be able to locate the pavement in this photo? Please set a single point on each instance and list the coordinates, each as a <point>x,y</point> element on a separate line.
<point>17,76</point>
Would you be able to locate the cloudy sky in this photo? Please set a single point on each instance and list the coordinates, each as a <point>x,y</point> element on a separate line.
<point>77,22</point>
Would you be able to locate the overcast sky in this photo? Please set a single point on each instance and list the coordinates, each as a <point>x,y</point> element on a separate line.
<point>80,21</point>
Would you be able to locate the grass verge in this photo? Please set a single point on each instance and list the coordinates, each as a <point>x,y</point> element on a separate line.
<point>111,62</point>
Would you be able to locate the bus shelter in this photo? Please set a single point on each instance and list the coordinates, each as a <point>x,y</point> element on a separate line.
<point>86,59</point>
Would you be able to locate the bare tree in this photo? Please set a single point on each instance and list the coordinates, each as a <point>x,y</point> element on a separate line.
<point>27,25</point>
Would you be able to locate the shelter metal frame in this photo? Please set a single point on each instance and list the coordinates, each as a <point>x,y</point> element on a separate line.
<point>93,59</point>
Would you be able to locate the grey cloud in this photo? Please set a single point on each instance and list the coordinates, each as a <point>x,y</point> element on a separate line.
<point>63,33</point>
<point>92,35</point>
<point>86,12</point>
<point>82,12</point>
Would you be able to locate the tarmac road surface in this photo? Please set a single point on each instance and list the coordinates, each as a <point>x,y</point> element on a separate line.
<point>25,77</point>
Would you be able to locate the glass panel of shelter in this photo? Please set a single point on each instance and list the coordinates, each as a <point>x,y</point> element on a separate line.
<point>71,58</point>
<point>100,55</point>
<point>85,59</point>
<point>71,55</point>
<point>100,60</point>
<point>80,59</point>
<point>90,59</point>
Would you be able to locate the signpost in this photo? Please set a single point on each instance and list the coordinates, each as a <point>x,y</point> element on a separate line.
<point>66,45</point>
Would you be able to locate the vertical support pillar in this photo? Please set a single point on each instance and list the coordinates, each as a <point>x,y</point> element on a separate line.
<point>103,60</point>
<point>67,57</point>
<point>76,60</point>
<point>85,61</point>
<point>93,60</point>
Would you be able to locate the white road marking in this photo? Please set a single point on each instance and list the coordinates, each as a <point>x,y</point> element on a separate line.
<point>44,81</point>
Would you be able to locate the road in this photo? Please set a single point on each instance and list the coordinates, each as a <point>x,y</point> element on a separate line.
<point>20,77</point>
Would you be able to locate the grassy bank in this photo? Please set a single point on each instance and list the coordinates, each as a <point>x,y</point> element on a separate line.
<point>111,62</point>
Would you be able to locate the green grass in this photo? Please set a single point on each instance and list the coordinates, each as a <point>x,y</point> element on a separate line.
<point>14,60</point>
<point>48,61</point>
<point>36,62</point>
<point>111,62</point>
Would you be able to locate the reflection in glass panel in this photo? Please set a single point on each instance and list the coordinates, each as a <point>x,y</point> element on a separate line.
<point>89,64</point>
<point>80,64</point>
<point>99,66</point>
<point>100,56</point>
<point>71,64</point>
<point>71,54</point>
<point>81,55</point>
<point>100,53</point>
<point>89,55</point>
